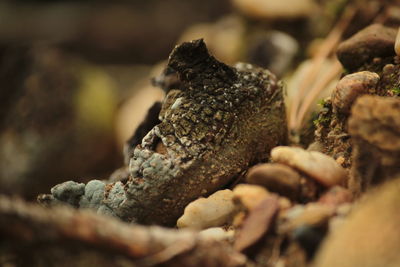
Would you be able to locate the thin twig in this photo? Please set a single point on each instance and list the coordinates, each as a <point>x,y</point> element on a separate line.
<point>334,72</point>
<point>39,229</point>
<point>323,52</point>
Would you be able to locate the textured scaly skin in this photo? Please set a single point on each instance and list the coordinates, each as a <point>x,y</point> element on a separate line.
<point>219,122</point>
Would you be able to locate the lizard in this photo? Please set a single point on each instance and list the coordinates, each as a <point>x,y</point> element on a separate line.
<point>218,121</point>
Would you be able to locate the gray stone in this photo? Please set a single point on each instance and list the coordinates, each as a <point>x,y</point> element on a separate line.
<point>352,86</point>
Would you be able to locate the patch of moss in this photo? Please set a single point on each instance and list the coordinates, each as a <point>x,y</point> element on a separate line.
<point>321,120</point>
<point>324,117</point>
<point>321,102</point>
<point>396,90</point>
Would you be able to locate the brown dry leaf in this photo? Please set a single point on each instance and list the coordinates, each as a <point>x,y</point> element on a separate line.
<point>257,223</point>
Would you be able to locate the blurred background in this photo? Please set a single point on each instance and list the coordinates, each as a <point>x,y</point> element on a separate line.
<point>75,75</point>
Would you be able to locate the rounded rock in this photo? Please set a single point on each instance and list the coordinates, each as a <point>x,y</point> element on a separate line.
<point>249,195</point>
<point>277,178</point>
<point>318,166</point>
<point>313,214</point>
<point>336,196</point>
<point>373,41</point>
<point>350,87</point>
<point>214,211</point>
<point>216,234</point>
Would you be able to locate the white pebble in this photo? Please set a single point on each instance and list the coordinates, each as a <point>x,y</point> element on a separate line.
<point>216,234</point>
<point>216,210</point>
<point>250,195</point>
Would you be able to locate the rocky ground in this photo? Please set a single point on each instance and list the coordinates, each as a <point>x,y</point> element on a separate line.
<point>228,165</point>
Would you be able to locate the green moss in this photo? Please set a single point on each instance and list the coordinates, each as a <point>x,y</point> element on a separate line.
<point>321,102</point>
<point>396,90</point>
<point>321,120</point>
<point>325,104</point>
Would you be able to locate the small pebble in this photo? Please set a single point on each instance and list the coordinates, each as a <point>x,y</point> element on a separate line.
<point>313,215</point>
<point>388,69</point>
<point>216,210</point>
<point>277,178</point>
<point>377,60</point>
<point>250,196</point>
<point>336,196</point>
<point>350,87</point>
<point>321,167</point>
<point>341,160</point>
<point>375,40</point>
<point>216,234</point>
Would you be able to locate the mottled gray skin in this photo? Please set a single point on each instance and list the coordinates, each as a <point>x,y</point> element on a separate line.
<point>218,123</point>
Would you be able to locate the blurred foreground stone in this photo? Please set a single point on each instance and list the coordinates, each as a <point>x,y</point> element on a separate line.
<point>31,235</point>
